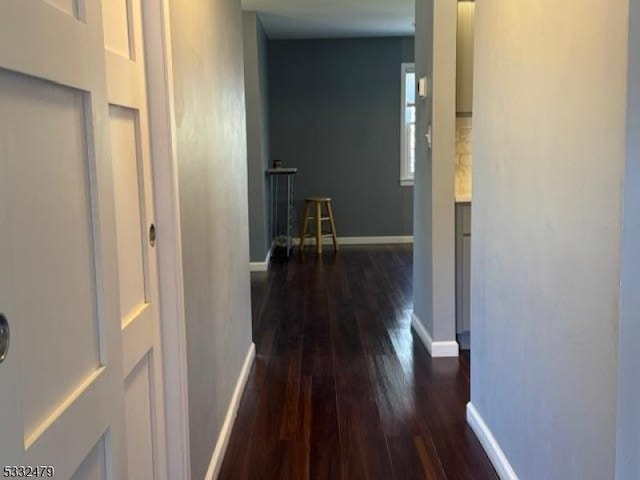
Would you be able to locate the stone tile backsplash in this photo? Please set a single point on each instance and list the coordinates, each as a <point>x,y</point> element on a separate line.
<point>464,159</point>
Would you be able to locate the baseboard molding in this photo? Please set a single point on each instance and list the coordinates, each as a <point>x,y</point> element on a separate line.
<point>360,240</point>
<point>436,349</point>
<point>261,266</point>
<point>232,412</point>
<point>490,444</point>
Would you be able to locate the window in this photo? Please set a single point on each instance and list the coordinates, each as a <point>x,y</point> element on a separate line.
<point>408,125</point>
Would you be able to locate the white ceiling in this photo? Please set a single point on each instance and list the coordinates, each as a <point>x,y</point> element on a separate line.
<point>334,18</point>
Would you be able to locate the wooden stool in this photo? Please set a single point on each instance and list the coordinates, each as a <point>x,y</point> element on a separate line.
<point>319,235</point>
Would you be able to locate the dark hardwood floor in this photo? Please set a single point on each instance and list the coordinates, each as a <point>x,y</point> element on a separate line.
<point>341,387</point>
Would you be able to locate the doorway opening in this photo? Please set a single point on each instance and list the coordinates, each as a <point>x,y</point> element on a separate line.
<point>463,170</point>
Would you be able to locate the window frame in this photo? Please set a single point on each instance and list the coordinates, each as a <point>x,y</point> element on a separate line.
<point>406,177</point>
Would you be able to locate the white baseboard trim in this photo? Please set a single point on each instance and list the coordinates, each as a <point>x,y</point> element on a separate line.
<point>360,240</point>
<point>436,349</point>
<point>490,444</point>
<point>261,266</point>
<point>232,412</point>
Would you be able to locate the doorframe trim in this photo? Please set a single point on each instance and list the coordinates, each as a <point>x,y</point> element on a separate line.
<point>162,129</point>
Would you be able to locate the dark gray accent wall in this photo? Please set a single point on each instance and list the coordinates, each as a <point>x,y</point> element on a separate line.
<point>628,445</point>
<point>257,104</point>
<point>335,114</point>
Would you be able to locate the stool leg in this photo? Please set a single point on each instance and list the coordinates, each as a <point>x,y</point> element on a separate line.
<point>333,227</point>
<point>305,224</point>
<point>319,227</point>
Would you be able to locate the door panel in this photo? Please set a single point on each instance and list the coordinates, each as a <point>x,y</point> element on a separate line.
<point>139,411</point>
<point>94,466</point>
<point>117,27</point>
<point>124,82</point>
<point>68,6</point>
<point>79,277</point>
<point>52,187</point>
<point>61,382</point>
<point>53,44</point>
<point>129,205</point>
<point>126,86</point>
<point>62,440</point>
<point>136,337</point>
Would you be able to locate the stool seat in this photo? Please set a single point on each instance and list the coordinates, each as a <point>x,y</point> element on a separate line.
<point>319,202</point>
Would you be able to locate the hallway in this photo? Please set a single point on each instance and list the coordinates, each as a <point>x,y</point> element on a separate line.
<point>341,386</point>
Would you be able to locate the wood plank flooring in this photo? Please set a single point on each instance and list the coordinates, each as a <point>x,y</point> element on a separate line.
<point>341,387</point>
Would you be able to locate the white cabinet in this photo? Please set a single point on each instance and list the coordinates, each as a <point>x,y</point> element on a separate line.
<point>465,295</point>
<point>464,60</point>
<point>463,268</point>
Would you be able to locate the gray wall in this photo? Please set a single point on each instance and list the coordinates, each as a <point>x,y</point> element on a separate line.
<point>335,114</point>
<point>628,460</point>
<point>212,169</point>
<point>434,202</point>
<point>549,151</point>
<point>422,228</point>
<point>256,97</point>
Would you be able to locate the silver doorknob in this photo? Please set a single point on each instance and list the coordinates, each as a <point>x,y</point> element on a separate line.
<point>5,335</point>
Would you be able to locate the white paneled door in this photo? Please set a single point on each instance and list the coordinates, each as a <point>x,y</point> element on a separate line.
<point>81,381</point>
<point>137,266</point>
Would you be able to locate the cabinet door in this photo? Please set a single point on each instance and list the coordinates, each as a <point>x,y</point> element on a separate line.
<point>466,283</point>
<point>463,267</point>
